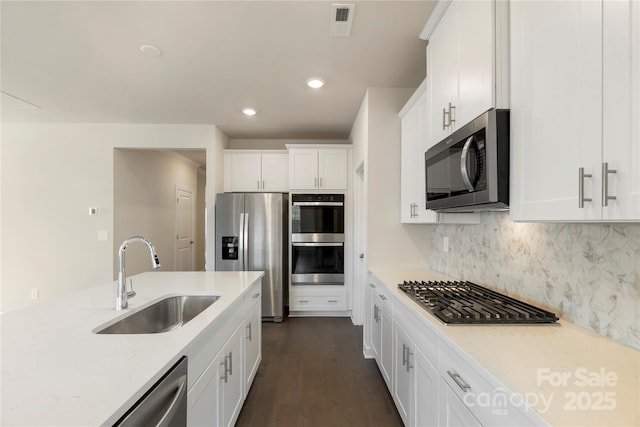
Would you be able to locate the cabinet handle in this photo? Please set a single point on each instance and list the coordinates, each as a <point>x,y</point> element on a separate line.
<point>451,116</point>
<point>370,284</point>
<point>605,184</point>
<point>258,184</point>
<point>230,363</point>
<point>263,184</point>
<point>409,354</point>
<point>382,297</point>
<point>225,369</point>
<point>404,354</point>
<point>249,334</point>
<point>303,301</point>
<point>445,113</point>
<point>256,295</point>
<point>458,379</point>
<point>581,177</point>
<point>333,300</point>
<point>375,313</point>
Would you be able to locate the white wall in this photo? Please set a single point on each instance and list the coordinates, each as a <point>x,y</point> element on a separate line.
<point>144,204</point>
<point>376,139</point>
<point>51,175</point>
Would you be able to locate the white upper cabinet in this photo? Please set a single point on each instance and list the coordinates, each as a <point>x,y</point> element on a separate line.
<point>413,135</point>
<point>466,62</point>
<point>574,111</point>
<point>414,142</point>
<point>318,168</point>
<point>249,170</point>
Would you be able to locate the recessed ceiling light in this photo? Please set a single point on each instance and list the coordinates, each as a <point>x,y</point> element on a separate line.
<point>249,111</point>
<point>315,83</point>
<point>148,50</point>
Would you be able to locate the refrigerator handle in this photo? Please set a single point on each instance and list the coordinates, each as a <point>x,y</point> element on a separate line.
<point>245,243</point>
<point>241,242</point>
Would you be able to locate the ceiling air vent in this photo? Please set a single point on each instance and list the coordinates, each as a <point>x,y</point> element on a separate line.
<point>341,19</point>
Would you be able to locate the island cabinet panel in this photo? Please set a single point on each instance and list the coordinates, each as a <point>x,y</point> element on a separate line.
<point>234,352</point>
<point>253,340</point>
<point>575,112</point>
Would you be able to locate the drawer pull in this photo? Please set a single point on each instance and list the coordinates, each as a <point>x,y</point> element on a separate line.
<point>383,298</point>
<point>256,295</point>
<point>303,301</point>
<point>458,379</point>
<point>333,300</point>
<point>372,285</point>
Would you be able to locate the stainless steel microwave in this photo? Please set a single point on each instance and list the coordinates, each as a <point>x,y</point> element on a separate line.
<point>469,170</point>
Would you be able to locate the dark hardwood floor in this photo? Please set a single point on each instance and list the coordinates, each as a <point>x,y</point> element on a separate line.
<point>313,373</point>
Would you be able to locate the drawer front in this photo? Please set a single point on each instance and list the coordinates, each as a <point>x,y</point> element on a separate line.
<point>380,291</point>
<point>489,402</point>
<point>318,303</point>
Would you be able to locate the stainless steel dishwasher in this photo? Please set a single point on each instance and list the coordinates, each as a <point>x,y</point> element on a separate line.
<point>164,405</point>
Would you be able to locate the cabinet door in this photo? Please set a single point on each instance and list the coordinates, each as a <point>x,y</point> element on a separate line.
<point>202,400</point>
<point>231,397</point>
<point>621,108</point>
<point>303,169</point>
<point>426,404</point>
<point>453,413</point>
<point>475,27</point>
<point>403,373</point>
<point>246,172</point>
<point>376,328</point>
<point>414,133</point>
<point>253,343</point>
<point>556,109</point>
<point>332,169</point>
<point>275,176</point>
<point>386,344</point>
<point>442,71</point>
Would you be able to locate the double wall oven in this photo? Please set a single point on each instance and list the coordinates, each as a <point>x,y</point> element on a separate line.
<point>317,239</point>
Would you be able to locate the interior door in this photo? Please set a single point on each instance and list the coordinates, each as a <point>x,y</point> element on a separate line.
<point>184,230</point>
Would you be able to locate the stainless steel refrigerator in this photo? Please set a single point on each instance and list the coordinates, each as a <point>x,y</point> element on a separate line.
<point>252,235</point>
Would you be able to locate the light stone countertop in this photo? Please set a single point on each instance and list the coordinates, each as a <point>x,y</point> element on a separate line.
<point>56,371</point>
<point>574,369</point>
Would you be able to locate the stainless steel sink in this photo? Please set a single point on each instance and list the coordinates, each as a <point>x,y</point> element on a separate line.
<point>163,316</point>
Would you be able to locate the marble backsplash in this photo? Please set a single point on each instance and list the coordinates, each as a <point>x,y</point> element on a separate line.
<point>588,274</point>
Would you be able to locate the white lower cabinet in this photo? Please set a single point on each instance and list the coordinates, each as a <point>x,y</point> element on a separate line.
<point>317,299</point>
<point>253,341</point>
<point>381,331</point>
<point>432,382</point>
<point>453,412</point>
<point>223,365</point>
<point>415,382</point>
<point>217,396</point>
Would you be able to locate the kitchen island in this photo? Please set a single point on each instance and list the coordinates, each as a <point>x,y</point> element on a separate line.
<point>549,374</point>
<point>57,371</point>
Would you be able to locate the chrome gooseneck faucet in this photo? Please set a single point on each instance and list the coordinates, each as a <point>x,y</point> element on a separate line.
<point>123,295</point>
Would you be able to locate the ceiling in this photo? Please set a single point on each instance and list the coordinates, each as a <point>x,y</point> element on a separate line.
<point>80,61</point>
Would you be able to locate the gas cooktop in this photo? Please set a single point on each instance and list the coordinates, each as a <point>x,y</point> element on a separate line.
<point>468,303</point>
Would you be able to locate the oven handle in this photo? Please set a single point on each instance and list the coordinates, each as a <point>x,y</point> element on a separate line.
<point>463,164</point>
<point>318,204</point>
<point>318,244</point>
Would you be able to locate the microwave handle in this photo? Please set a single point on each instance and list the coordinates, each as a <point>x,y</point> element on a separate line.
<point>463,164</point>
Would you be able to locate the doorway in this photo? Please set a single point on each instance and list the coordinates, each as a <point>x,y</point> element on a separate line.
<point>147,185</point>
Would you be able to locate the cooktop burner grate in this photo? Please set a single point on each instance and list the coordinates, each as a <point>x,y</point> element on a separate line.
<point>466,302</point>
